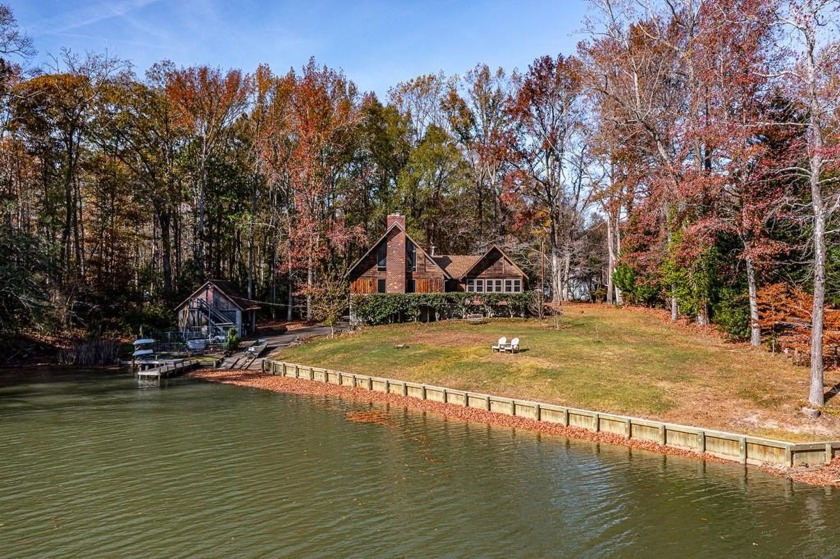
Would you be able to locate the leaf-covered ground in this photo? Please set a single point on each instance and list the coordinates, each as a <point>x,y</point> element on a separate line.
<point>626,361</point>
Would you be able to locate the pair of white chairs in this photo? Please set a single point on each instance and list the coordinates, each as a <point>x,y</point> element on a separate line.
<point>502,345</point>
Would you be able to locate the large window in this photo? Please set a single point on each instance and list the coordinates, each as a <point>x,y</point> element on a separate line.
<point>382,257</point>
<point>380,286</point>
<point>411,256</point>
<point>507,285</point>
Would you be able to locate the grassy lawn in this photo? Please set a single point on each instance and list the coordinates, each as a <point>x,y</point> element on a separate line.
<point>613,360</point>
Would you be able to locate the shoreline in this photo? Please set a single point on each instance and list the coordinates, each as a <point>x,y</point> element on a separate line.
<point>828,475</point>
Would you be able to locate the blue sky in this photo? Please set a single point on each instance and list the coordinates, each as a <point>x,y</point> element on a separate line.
<point>376,42</point>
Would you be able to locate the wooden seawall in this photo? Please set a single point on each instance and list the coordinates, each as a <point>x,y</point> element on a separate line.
<point>729,446</point>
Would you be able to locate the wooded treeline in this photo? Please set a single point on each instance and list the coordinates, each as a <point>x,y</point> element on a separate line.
<point>685,156</point>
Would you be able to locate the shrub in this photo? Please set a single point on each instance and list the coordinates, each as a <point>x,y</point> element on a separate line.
<point>232,340</point>
<point>732,314</point>
<point>634,291</point>
<point>386,308</point>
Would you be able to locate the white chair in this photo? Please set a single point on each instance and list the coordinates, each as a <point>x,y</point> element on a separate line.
<point>514,345</point>
<point>501,345</point>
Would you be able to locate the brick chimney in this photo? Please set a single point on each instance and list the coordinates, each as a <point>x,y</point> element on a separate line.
<point>395,274</point>
<point>396,217</point>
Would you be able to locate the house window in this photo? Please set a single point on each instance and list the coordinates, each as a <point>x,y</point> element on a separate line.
<point>517,286</point>
<point>411,256</point>
<point>508,286</point>
<point>479,286</point>
<point>380,286</point>
<point>382,257</point>
<point>498,286</point>
<point>470,285</point>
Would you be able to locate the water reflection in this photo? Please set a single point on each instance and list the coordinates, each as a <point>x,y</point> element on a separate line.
<point>105,469</point>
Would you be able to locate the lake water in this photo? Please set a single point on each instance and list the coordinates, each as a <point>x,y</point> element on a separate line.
<point>94,466</point>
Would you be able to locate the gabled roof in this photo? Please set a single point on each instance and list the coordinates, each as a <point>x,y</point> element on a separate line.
<point>456,265</point>
<point>372,247</point>
<point>382,238</point>
<point>460,266</point>
<point>227,289</point>
<point>432,260</point>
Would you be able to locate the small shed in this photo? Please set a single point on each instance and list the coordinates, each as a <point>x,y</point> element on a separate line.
<point>215,307</point>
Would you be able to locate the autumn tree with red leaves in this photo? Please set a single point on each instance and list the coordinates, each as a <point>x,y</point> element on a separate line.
<point>207,102</point>
<point>636,73</point>
<point>733,155</point>
<point>479,119</point>
<point>323,116</point>
<point>547,112</point>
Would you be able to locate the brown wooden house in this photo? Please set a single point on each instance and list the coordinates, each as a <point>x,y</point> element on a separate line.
<point>491,272</point>
<point>214,308</point>
<point>397,264</point>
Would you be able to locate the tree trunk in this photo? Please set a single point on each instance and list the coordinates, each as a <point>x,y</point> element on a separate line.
<point>564,280</point>
<point>69,211</point>
<point>755,328</point>
<point>556,287</point>
<point>310,284</point>
<point>290,298</point>
<point>202,211</point>
<point>251,240</point>
<point>610,258</point>
<point>165,218</point>
<point>816,394</point>
<point>179,245</point>
<point>273,277</point>
<point>703,314</point>
<point>619,298</point>
<point>78,230</point>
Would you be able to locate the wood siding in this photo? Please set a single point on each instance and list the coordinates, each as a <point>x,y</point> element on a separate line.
<point>427,277</point>
<point>429,285</point>
<point>494,266</point>
<point>364,285</point>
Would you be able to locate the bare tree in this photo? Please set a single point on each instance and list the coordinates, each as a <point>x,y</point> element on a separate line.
<point>812,78</point>
<point>12,40</point>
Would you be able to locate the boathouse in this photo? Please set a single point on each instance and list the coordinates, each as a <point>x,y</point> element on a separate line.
<point>212,309</point>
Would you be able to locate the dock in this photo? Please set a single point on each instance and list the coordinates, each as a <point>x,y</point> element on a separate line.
<point>165,369</point>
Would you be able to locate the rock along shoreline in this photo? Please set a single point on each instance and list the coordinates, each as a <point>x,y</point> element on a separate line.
<point>828,475</point>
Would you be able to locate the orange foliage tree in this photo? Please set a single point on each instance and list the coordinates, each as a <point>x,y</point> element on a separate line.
<point>786,315</point>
